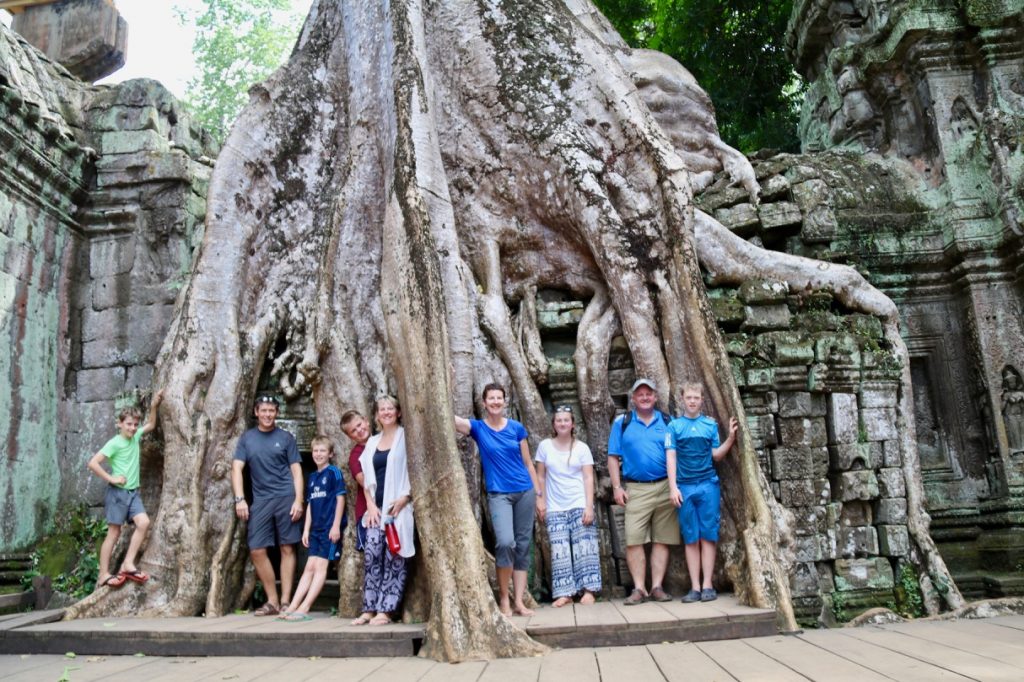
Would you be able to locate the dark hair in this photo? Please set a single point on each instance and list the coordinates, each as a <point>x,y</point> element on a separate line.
<point>493,386</point>
<point>349,417</point>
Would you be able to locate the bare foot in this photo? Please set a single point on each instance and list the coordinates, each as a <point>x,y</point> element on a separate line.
<point>381,619</point>
<point>363,619</point>
<point>587,598</point>
<point>503,605</point>
<point>521,610</point>
<point>561,601</point>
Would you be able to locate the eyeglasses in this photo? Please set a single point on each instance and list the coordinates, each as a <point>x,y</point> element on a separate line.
<point>563,408</point>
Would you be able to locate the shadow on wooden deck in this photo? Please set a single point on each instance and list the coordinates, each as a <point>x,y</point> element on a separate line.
<point>606,623</point>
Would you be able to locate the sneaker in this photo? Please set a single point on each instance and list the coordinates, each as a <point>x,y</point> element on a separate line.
<point>635,597</point>
<point>708,594</point>
<point>691,597</point>
<point>658,594</point>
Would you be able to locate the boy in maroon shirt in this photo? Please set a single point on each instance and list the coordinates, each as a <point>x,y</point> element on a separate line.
<point>357,428</point>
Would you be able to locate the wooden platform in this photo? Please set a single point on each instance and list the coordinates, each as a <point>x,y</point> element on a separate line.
<point>606,623</point>
<point>958,651</point>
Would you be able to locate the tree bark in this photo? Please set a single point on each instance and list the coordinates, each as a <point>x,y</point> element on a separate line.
<point>387,201</point>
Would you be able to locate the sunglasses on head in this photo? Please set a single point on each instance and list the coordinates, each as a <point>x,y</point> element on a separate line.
<point>266,399</point>
<point>563,408</point>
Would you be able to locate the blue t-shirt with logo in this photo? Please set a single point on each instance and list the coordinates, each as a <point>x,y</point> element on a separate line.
<point>322,493</point>
<point>640,447</point>
<point>502,460</point>
<point>693,440</point>
<point>269,456</point>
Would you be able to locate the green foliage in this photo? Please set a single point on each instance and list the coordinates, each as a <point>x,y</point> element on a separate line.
<point>909,600</point>
<point>736,51</point>
<point>238,43</point>
<point>839,606</point>
<point>74,575</point>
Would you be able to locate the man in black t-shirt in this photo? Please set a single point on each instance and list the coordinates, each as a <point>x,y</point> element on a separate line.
<point>276,473</point>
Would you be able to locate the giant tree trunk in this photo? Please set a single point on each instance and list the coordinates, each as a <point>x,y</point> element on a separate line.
<point>380,218</point>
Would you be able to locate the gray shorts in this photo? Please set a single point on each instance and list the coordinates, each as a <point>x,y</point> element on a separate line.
<point>270,523</point>
<point>122,505</point>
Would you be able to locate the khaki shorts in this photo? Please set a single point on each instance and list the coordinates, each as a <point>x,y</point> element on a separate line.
<point>650,514</point>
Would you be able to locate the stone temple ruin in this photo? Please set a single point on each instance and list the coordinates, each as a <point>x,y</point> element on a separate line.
<point>912,170</point>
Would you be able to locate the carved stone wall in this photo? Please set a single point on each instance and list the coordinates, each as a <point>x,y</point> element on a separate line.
<point>102,199</point>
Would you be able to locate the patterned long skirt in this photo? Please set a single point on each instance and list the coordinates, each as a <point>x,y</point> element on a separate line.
<point>575,562</point>
<point>384,574</point>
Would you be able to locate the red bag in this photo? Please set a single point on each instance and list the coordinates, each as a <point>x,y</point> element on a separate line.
<point>394,544</point>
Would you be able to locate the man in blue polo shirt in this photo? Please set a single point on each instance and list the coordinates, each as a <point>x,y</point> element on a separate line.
<point>637,444</point>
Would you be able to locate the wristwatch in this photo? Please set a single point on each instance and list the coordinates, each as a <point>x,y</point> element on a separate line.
<point>239,498</point>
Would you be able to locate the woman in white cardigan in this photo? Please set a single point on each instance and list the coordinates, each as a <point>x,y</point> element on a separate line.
<point>384,457</point>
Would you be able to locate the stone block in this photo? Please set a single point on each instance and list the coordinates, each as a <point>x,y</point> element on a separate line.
<point>863,574</point>
<point>111,257</point>
<point>892,455</point>
<point>791,463</point>
<point>87,37</point>
<point>822,491</point>
<point>891,483</point>
<point>820,226</point>
<point>819,463</point>
<point>761,431</point>
<point>828,544</point>
<point>856,513</point>
<point>876,455</point>
<point>804,580</point>
<point>789,354</point>
<point>810,194</point>
<point>878,397</point>
<point>803,431</point>
<point>879,423</point>
<point>856,485</point>
<point>740,218</point>
<point>818,321</point>
<point>727,310</point>
<point>807,548</point>
<point>801,404</point>
<point>107,325</point>
<point>857,541</point>
<point>842,418</point>
<point>809,520</point>
<point>765,317</point>
<point>797,493</point>
<point>129,141</point>
<point>836,349</point>
<point>891,510</point>
<point>779,214</point>
<point>849,456</point>
<point>111,292</point>
<point>760,291</point>
<point>139,378</point>
<point>774,186</point>
<point>760,376</point>
<point>893,540</point>
<point>833,512</point>
<point>866,326</point>
<point>99,384</point>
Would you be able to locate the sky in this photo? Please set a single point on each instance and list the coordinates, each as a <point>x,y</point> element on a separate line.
<point>158,45</point>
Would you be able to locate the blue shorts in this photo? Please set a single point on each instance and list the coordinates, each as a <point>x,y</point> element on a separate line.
<point>320,545</point>
<point>270,523</point>
<point>122,505</point>
<point>701,513</point>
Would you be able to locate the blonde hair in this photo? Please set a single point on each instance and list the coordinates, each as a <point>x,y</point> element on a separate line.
<point>376,408</point>
<point>322,440</point>
<point>693,386</point>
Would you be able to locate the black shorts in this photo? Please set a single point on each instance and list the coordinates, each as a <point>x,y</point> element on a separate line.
<point>270,523</point>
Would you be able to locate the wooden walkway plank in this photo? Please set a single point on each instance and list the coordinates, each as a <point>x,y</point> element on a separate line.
<point>408,668</point>
<point>892,664</point>
<point>648,612</point>
<point>173,669</point>
<point>550,619</point>
<point>21,620</point>
<point>347,669</point>
<point>685,662</point>
<point>1016,622</point>
<point>962,662</point>
<point>83,668</point>
<point>602,613</point>
<point>743,662</point>
<point>569,665</point>
<point>948,635</point>
<point>511,670</point>
<point>810,661</point>
<point>990,629</point>
<point>627,663</point>
<point>694,613</point>
<point>252,669</point>
<point>469,671</point>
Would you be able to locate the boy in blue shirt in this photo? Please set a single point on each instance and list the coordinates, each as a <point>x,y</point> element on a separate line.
<point>325,519</point>
<point>692,444</point>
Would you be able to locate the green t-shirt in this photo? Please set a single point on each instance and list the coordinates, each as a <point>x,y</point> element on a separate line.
<point>124,458</point>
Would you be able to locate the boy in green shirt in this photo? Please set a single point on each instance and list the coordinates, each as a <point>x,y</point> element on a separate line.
<point>122,499</point>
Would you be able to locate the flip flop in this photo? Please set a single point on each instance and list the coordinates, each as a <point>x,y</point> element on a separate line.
<point>135,576</point>
<point>114,581</point>
<point>363,619</point>
<point>381,619</point>
<point>297,617</point>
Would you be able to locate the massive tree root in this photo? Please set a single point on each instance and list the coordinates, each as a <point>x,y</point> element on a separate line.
<point>387,202</point>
